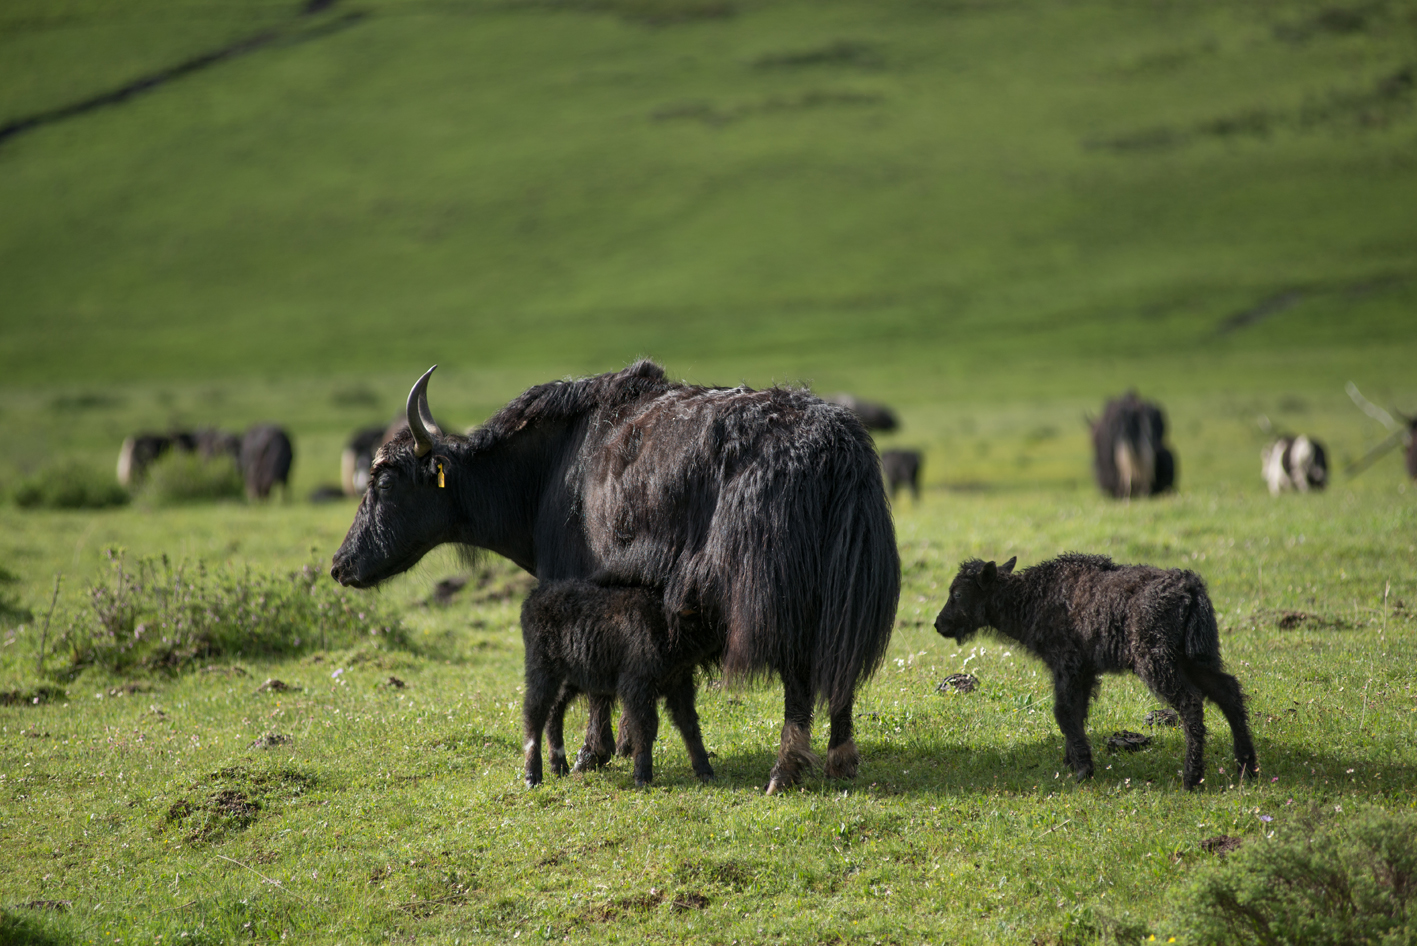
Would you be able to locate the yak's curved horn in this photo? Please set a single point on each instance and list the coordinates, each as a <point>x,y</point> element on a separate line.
<point>420,419</point>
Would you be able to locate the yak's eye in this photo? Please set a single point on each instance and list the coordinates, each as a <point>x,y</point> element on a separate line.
<point>384,481</point>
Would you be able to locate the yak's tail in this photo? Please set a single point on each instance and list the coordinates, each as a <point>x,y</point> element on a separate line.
<point>1202,636</point>
<point>816,572</point>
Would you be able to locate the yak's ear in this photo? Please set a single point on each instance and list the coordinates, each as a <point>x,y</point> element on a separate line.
<point>1008,567</point>
<point>987,574</point>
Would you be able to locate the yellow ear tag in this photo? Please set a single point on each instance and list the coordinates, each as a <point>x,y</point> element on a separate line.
<point>441,483</point>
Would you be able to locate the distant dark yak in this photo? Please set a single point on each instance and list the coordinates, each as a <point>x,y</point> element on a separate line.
<point>902,468</point>
<point>611,641</point>
<point>1129,457</point>
<point>358,457</point>
<point>872,416</point>
<point>1298,463</point>
<point>265,459</point>
<point>1083,616</point>
<point>761,515</point>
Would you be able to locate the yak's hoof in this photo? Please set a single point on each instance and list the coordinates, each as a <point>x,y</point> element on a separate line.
<point>1082,775</point>
<point>707,776</point>
<point>779,785</point>
<point>559,766</point>
<point>843,761</point>
<point>532,781</point>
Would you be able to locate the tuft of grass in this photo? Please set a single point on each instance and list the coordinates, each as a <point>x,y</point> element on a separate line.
<point>11,611</point>
<point>69,485</point>
<point>180,477</point>
<point>154,614</point>
<point>1324,879</point>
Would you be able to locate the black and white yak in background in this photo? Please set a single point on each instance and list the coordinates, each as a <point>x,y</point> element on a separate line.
<point>141,451</point>
<point>758,516</point>
<point>1129,455</point>
<point>1298,463</point>
<point>357,458</point>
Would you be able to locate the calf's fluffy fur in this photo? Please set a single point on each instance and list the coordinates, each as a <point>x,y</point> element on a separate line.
<point>1084,615</point>
<point>608,640</point>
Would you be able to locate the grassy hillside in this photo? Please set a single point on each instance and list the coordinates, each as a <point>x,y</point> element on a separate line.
<point>950,188</point>
<point>987,214</point>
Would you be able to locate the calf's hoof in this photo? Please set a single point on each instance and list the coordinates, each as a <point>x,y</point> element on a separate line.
<point>843,760</point>
<point>1083,773</point>
<point>533,780</point>
<point>559,765</point>
<point>777,785</point>
<point>705,775</point>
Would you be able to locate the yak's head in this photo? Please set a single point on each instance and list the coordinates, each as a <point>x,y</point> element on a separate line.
<point>964,611</point>
<point>407,508</point>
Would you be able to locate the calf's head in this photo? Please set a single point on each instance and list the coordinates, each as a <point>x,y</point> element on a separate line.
<point>406,511</point>
<point>965,610</point>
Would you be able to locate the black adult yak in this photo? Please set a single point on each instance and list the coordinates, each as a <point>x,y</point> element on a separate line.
<point>265,458</point>
<point>902,468</point>
<point>1129,458</point>
<point>759,514</point>
<point>142,450</point>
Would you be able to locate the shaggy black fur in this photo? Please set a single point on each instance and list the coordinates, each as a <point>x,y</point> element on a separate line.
<point>609,641</point>
<point>1129,458</point>
<point>266,455</point>
<point>1083,615</point>
<point>902,468</point>
<point>762,511</point>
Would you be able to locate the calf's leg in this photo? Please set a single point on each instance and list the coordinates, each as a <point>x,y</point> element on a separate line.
<point>555,729</point>
<point>639,696</point>
<point>679,700</point>
<point>1071,695</point>
<point>599,745</point>
<point>1224,691</point>
<point>795,751</point>
<point>542,691</point>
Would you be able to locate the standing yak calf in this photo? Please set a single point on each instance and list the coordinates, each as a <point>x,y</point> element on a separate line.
<point>1083,616</point>
<point>611,641</point>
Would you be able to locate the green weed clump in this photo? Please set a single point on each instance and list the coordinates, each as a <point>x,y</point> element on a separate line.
<point>69,486</point>
<point>1321,881</point>
<point>180,477</point>
<point>154,614</point>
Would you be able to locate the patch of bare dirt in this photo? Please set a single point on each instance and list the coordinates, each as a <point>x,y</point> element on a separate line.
<point>1221,844</point>
<point>958,683</point>
<point>1127,741</point>
<point>270,740</point>
<point>1162,717</point>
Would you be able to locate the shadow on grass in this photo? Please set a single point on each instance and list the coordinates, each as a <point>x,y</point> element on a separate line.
<point>932,769</point>
<point>20,926</point>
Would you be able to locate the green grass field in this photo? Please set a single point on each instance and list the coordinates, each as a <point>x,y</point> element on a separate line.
<point>989,215</point>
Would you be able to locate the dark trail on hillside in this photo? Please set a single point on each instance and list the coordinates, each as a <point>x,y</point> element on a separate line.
<point>196,64</point>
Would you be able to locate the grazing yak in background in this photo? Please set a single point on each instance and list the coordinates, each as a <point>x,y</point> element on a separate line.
<point>1297,463</point>
<point>758,517</point>
<point>265,459</point>
<point>1404,434</point>
<point>357,458</point>
<point>1129,457</point>
<point>1083,616</point>
<point>902,468</point>
<point>872,416</point>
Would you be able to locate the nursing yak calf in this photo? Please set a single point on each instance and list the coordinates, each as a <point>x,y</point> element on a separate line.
<point>1083,615</point>
<point>762,514</point>
<point>611,641</point>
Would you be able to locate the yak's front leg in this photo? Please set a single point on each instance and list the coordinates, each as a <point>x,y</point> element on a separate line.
<point>542,693</point>
<point>1071,694</point>
<point>599,745</point>
<point>794,754</point>
<point>679,700</point>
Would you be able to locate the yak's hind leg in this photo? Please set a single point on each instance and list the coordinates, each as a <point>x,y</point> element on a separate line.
<point>679,700</point>
<point>1168,682</point>
<point>1071,695</point>
<point>795,752</point>
<point>842,757</point>
<point>542,694</point>
<point>641,719</point>
<point>1224,691</point>
<point>599,745</point>
<point>555,729</point>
